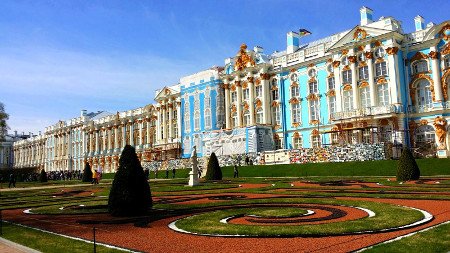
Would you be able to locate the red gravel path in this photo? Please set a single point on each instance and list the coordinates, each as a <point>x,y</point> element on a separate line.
<point>157,237</point>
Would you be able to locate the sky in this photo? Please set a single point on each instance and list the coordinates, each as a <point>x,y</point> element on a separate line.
<point>59,57</point>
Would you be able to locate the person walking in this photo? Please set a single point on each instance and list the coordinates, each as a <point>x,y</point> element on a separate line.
<point>94,177</point>
<point>167,173</point>
<point>236,172</point>
<point>12,180</point>
<point>173,172</point>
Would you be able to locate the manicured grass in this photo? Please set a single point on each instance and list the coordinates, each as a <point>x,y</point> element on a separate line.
<point>433,240</point>
<point>428,167</point>
<point>46,242</point>
<point>387,216</point>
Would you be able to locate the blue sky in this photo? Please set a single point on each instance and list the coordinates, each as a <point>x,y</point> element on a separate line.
<point>58,57</point>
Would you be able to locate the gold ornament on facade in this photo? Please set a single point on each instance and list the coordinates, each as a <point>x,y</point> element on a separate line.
<point>311,65</point>
<point>243,59</point>
<point>294,84</point>
<point>352,59</point>
<point>329,60</point>
<point>258,103</point>
<point>362,64</point>
<point>294,100</point>
<point>274,87</point>
<point>315,132</point>
<point>363,84</point>
<point>368,55</point>
<point>344,52</point>
<point>359,34</point>
<point>265,76</point>
<point>360,48</point>
<point>433,55</point>
<point>293,70</point>
<point>276,127</point>
<point>445,32</point>
<point>296,135</point>
<point>446,49</point>
<point>444,82</point>
<point>224,86</point>
<point>379,60</point>
<point>419,56</point>
<point>347,87</point>
<point>314,122</point>
<point>237,83</point>
<point>257,82</point>
<point>381,80</point>
<point>330,75</point>
<point>250,79</point>
<point>392,50</point>
<point>416,78</point>
<point>246,106</point>
<point>274,103</point>
<point>331,93</point>
<point>244,85</point>
<point>233,87</point>
<point>423,122</point>
<point>377,43</point>
<point>346,67</point>
<point>440,125</point>
<point>336,64</point>
<point>312,97</point>
<point>312,80</point>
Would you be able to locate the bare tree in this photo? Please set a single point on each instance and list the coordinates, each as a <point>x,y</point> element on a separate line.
<point>3,125</point>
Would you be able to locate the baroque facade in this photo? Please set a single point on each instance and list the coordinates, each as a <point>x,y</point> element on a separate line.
<point>373,83</point>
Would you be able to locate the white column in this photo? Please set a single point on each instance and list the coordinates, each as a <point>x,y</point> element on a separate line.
<point>438,96</point>
<point>116,137</point>
<point>141,126</point>
<point>110,130</point>
<point>266,91</point>
<point>227,106</point>
<point>338,85</point>
<point>355,89</point>
<point>132,133</point>
<point>147,123</point>
<point>239,102</point>
<point>178,119</point>
<point>393,82</point>
<point>97,148</point>
<point>124,134</point>
<point>372,88</point>
<point>251,88</point>
<point>164,122</point>
<point>170,130</point>
<point>158,124</point>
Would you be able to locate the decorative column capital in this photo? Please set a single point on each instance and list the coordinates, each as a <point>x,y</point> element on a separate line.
<point>392,50</point>
<point>352,59</point>
<point>433,55</point>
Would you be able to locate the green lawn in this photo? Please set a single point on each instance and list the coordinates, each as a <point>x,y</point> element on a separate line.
<point>428,167</point>
<point>46,242</point>
<point>433,240</point>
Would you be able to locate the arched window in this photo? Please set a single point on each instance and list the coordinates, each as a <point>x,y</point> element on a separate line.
<point>276,115</point>
<point>344,61</point>
<point>208,118</point>
<point>259,116</point>
<point>298,142</point>
<point>313,87</point>
<point>245,94</point>
<point>361,57</point>
<point>332,105</point>
<point>315,141</point>
<point>424,94</point>
<point>379,52</point>
<point>312,72</point>
<point>364,95</point>
<point>420,67</point>
<point>380,69</point>
<point>258,91</point>
<point>348,100</point>
<point>331,83</point>
<point>314,109</point>
<point>294,78</point>
<point>233,96</point>
<point>274,94</point>
<point>383,94</point>
<point>330,68</point>
<point>197,120</point>
<point>296,113</point>
<point>187,122</point>
<point>247,118</point>
<point>234,120</point>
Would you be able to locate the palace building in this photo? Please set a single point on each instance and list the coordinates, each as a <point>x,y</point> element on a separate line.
<point>372,83</point>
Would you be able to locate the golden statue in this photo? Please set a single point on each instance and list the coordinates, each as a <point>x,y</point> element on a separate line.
<point>243,60</point>
<point>440,124</point>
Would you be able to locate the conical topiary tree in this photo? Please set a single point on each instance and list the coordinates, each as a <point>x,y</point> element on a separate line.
<point>407,168</point>
<point>43,176</point>
<point>130,192</point>
<point>87,173</point>
<point>213,171</point>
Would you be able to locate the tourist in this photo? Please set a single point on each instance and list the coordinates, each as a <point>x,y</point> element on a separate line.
<point>12,180</point>
<point>236,172</point>
<point>167,173</point>
<point>246,160</point>
<point>94,177</point>
<point>173,172</point>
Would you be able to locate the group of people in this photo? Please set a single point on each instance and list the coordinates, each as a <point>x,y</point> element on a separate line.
<point>96,176</point>
<point>20,176</point>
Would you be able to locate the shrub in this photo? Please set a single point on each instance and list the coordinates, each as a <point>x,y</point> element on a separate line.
<point>43,176</point>
<point>130,192</point>
<point>87,173</point>
<point>407,168</point>
<point>213,170</point>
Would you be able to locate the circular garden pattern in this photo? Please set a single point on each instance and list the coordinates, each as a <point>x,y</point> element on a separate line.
<point>300,218</point>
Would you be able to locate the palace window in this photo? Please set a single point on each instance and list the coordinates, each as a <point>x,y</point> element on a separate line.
<point>380,69</point>
<point>174,115</point>
<point>344,61</point>
<point>383,94</point>
<point>298,142</point>
<point>331,83</point>
<point>220,116</point>
<point>330,68</point>
<point>208,118</point>
<point>259,116</point>
<point>276,115</point>
<point>348,100</point>
<point>312,72</point>
<point>334,138</point>
<point>296,113</point>
<point>293,78</point>
<point>275,95</point>
<point>246,118</point>
<point>425,134</point>
<point>197,120</point>
<point>332,104</point>
<point>258,91</point>
<point>366,136</point>
<point>245,94</point>
<point>175,130</point>
<point>364,95</point>
<point>361,57</point>
<point>379,52</point>
<point>295,91</point>
<point>277,143</point>
<point>315,141</point>
<point>207,101</point>
<point>234,120</point>
<point>313,87</point>
<point>447,61</point>
<point>420,67</point>
<point>314,109</point>
<point>424,94</point>
<point>363,73</point>
<point>347,76</point>
<point>233,96</point>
